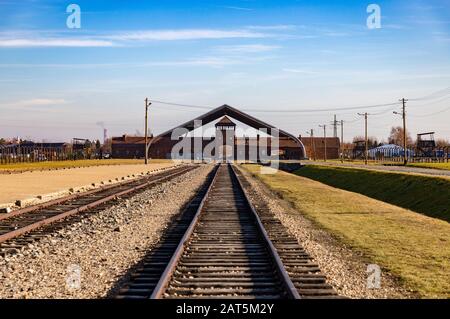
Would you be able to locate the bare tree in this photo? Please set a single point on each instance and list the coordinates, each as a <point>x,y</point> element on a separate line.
<point>441,142</point>
<point>396,136</point>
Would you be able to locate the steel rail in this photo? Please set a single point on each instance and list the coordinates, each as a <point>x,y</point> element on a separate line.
<point>289,285</point>
<point>47,221</point>
<point>167,274</point>
<point>73,196</point>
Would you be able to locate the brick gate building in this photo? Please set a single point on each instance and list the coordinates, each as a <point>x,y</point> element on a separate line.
<point>162,146</point>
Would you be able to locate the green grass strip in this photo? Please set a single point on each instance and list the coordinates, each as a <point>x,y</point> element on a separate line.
<point>427,195</point>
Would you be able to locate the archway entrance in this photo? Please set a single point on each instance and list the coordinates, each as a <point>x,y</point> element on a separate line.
<point>227,145</point>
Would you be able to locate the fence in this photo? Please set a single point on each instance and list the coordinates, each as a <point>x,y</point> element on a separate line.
<point>396,155</point>
<point>30,154</point>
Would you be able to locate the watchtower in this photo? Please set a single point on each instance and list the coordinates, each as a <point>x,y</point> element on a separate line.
<point>425,144</point>
<point>225,137</point>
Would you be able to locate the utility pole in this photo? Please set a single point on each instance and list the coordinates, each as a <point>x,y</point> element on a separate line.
<point>312,144</point>
<point>147,104</point>
<point>342,141</point>
<point>366,153</point>
<point>335,124</point>
<point>403,114</point>
<point>325,141</point>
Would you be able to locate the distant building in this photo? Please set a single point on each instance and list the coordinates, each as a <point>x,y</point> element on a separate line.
<point>359,149</point>
<point>161,146</point>
<point>128,147</point>
<point>315,147</point>
<point>388,151</point>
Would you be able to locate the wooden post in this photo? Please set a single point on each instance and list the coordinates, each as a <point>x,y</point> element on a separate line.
<point>366,152</point>
<point>342,141</point>
<point>405,155</point>
<point>324,141</point>
<point>147,104</point>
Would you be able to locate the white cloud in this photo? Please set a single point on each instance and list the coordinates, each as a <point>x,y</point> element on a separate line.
<point>38,102</point>
<point>440,38</point>
<point>247,48</point>
<point>48,42</point>
<point>212,61</point>
<point>299,71</point>
<point>237,8</point>
<point>184,34</point>
<point>204,61</point>
<point>279,27</point>
<point>336,34</point>
<point>53,39</point>
<point>395,26</point>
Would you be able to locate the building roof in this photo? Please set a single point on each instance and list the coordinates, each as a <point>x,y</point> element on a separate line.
<point>226,110</point>
<point>320,141</point>
<point>283,142</point>
<point>388,147</point>
<point>225,121</point>
<point>129,139</point>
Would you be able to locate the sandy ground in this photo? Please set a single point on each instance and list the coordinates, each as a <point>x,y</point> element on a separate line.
<point>28,185</point>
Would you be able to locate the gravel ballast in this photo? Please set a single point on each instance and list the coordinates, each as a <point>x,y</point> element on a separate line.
<point>86,259</point>
<point>345,269</point>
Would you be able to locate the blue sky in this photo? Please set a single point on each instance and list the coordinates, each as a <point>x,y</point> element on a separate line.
<point>270,56</point>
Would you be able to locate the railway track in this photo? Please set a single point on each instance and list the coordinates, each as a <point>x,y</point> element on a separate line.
<point>24,226</point>
<point>219,248</point>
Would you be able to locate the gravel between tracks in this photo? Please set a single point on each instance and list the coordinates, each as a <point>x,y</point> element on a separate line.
<point>104,246</point>
<point>344,268</point>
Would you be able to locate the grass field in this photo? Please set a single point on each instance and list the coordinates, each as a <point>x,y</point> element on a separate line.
<point>413,247</point>
<point>443,166</point>
<point>422,194</point>
<point>69,164</point>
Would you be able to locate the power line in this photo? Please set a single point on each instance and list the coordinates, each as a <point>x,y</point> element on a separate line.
<point>382,112</point>
<point>354,121</point>
<point>434,95</point>
<point>430,114</point>
<point>432,103</point>
<point>282,111</point>
<point>182,105</point>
